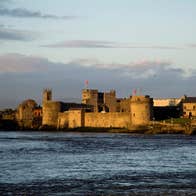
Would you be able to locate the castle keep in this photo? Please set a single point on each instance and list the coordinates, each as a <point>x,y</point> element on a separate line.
<point>98,109</point>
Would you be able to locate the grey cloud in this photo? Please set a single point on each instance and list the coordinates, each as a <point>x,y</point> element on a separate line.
<point>136,69</point>
<point>11,34</point>
<point>84,44</point>
<point>104,44</point>
<point>192,45</point>
<point>24,76</point>
<point>24,13</point>
<point>5,2</point>
<point>16,63</point>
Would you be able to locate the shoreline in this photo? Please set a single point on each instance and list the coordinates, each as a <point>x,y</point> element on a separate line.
<point>153,128</point>
<point>137,130</point>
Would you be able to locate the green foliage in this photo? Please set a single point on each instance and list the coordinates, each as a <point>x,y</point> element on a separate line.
<point>181,121</point>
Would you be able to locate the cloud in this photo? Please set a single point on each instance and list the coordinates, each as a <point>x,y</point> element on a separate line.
<point>104,44</point>
<point>192,45</point>
<point>25,76</point>
<point>136,69</point>
<point>5,2</point>
<point>84,44</point>
<point>16,63</point>
<point>25,13</point>
<point>11,34</point>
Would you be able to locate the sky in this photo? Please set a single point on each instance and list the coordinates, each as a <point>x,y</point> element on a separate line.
<point>124,45</point>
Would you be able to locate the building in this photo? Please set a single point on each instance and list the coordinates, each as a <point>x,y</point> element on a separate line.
<point>189,107</point>
<point>166,102</point>
<point>98,109</point>
<point>37,117</point>
<point>53,110</point>
<point>165,108</point>
<point>141,109</point>
<point>123,104</point>
<point>25,113</point>
<point>101,101</point>
<point>8,114</point>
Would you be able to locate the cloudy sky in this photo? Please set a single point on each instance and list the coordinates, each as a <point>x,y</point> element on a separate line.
<point>115,44</point>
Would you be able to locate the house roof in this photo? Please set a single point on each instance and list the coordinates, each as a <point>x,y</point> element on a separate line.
<point>190,100</point>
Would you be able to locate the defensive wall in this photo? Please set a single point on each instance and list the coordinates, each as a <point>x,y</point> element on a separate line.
<point>78,118</point>
<point>98,109</point>
<point>110,119</point>
<point>63,120</point>
<point>137,110</point>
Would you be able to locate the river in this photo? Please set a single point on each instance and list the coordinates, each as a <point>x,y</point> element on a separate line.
<point>60,163</point>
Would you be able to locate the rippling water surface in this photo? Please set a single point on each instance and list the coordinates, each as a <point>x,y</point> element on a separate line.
<point>57,163</point>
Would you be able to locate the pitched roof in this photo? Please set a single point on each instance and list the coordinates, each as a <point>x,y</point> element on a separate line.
<point>190,100</point>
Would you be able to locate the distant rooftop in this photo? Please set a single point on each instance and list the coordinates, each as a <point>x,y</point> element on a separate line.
<point>190,100</point>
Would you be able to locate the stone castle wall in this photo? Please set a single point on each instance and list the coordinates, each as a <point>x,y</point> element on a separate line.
<point>140,114</point>
<point>76,118</point>
<point>110,119</point>
<point>63,120</point>
<point>124,105</point>
<point>136,110</point>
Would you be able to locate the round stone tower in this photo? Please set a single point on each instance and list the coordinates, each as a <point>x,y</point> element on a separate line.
<point>24,113</point>
<point>141,110</point>
<point>51,110</point>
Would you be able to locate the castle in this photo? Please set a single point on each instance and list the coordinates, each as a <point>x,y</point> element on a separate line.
<point>101,110</point>
<point>97,109</point>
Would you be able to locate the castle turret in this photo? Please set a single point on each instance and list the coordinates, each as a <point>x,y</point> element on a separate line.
<point>141,110</point>
<point>50,109</point>
<point>90,97</point>
<point>47,95</point>
<point>110,101</point>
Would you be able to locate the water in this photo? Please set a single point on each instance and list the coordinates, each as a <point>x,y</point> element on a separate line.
<point>57,163</point>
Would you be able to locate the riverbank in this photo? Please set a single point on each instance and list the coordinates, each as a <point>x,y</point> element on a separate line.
<point>154,128</point>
